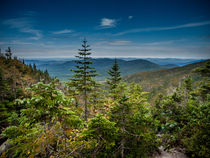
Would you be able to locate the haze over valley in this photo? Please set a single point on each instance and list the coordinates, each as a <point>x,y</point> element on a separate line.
<point>61,68</point>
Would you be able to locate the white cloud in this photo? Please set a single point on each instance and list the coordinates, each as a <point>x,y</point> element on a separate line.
<point>63,31</point>
<point>113,43</point>
<point>37,33</point>
<point>108,23</point>
<point>153,50</point>
<point>24,25</point>
<point>149,29</point>
<point>120,42</point>
<point>159,43</point>
<point>30,13</point>
<point>17,42</point>
<point>130,17</point>
<point>3,43</point>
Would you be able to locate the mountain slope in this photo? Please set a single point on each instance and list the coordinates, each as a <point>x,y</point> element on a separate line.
<point>164,80</point>
<point>176,61</point>
<point>15,76</point>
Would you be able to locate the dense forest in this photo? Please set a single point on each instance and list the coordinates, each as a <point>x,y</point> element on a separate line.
<point>40,117</point>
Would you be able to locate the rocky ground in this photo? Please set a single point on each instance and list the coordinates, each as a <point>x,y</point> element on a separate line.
<point>173,153</point>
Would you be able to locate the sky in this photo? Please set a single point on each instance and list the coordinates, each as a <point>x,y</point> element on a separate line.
<point>113,28</point>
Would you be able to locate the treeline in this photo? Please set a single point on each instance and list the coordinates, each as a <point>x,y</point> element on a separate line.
<point>111,119</point>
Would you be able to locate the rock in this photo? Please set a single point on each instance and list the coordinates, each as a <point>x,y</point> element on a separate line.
<point>173,153</point>
<point>5,146</point>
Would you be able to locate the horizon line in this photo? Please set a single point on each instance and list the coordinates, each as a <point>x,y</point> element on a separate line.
<point>136,57</point>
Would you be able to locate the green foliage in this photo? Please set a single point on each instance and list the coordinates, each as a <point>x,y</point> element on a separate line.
<point>136,136</point>
<point>100,137</point>
<point>34,128</point>
<point>188,84</point>
<point>184,118</point>
<point>46,102</point>
<point>195,134</point>
<point>205,70</point>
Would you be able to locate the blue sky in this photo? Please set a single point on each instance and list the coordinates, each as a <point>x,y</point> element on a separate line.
<point>113,28</point>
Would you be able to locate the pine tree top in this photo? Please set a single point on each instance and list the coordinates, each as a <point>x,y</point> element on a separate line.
<point>114,71</point>
<point>115,76</point>
<point>84,72</point>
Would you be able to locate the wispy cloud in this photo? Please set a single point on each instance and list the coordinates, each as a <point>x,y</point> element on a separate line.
<point>24,25</point>
<point>62,31</point>
<point>30,13</point>
<point>206,37</point>
<point>158,43</point>
<point>120,42</point>
<point>3,43</point>
<point>130,17</point>
<point>162,49</point>
<point>107,42</point>
<point>113,42</point>
<point>154,49</point>
<point>108,23</point>
<point>149,29</point>
<point>17,42</point>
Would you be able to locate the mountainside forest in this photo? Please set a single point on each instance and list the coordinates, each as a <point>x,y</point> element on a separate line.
<point>124,116</point>
<point>165,80</point>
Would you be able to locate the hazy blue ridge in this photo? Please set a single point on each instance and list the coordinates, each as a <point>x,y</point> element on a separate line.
<point>60,68</point>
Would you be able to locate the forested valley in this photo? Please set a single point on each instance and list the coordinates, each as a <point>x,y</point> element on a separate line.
<point>83,117</point>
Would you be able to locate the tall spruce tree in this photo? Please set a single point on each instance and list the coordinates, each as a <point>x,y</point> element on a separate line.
<point>82,80</point>
<point>114,78</point>
<point>8,53</point>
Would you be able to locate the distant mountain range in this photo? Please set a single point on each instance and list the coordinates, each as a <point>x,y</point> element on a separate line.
<point>61,68</point>
<point>174,61</point>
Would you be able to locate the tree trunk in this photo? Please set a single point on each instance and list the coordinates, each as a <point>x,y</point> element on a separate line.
<point>85,90</point>
<point>86,111</point>
<point>122,148</point>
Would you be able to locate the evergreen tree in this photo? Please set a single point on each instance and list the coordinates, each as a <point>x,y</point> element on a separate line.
<point>188,84</point>
<point>30,68</point>
<point>83,81</point>
<point>100,136</point>
<point>42,126</point>
<point>46,76</point>
<point>204,71</point>
<point>8,53</point>
<point>136,134</point>
<point>34,67</point>
<point>1,54</point>
<point>114,79</point>
<point>115,76</point>
<point>2,86</point>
